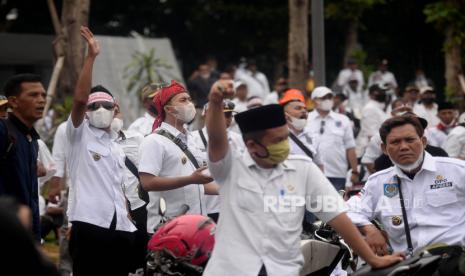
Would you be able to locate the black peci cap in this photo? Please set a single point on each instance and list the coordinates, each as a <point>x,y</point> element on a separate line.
<point>261,118</point>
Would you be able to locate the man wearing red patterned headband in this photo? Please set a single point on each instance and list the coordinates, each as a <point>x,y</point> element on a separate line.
<point>171,164</point>
<point>102,234</point>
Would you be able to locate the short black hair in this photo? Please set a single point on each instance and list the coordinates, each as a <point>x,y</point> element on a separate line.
<point>398,121</point>
<point>100,88</point>
<point>12,86</point>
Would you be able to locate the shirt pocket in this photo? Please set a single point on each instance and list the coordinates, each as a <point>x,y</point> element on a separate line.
<point>443,203</point>
<point>249,196</point>
<point>97,152</point>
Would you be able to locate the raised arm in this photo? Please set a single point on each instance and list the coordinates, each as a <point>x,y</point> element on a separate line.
<point>216,126</point>
<point>83,86</point>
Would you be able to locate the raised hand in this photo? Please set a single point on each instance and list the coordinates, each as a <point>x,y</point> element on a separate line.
<point>222,89</point>
<point>92,43</point>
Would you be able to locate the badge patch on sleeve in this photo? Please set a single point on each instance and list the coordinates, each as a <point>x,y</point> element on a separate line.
<point>391,189</point>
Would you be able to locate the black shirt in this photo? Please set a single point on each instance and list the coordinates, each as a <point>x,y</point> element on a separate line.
<point>18,169</point>
<point>383,162</point>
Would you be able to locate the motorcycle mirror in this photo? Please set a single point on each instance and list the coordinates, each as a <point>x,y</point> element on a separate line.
<point>162,207</point>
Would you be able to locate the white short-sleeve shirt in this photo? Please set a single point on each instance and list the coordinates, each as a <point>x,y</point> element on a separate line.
<point>336,138</point>
<point>258,225</point>
<point>161,157</point>
<point>434,203</point>
<point>130,142</point>
<point>143,125</point>
<point>455,142</point>
<point>96,167</point>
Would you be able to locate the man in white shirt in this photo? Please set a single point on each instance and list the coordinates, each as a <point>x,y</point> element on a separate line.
<point>431,187</point>
<point>373,115</point>
<point>165,169</point>
<point>411,95</point>
<point>455,141</point>
<point>356,96</point>
<point>447,115</point>
<point>212,202</point>
<point>384,77</point>
<point>102,233</point>
<point>351,73</point>
<point>427,107</point>
<point>335,136</point>
<point>293,102</point>
<point>259,229</point>
<point>259,77</point>
<point>144,124</point>
<point>279,88</point>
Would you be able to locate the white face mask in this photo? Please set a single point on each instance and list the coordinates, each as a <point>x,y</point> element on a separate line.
<point>411,167</point>
<point>297,123</point>
<point>117,125</point>
<point>185,113</point>
<point>326,105</point>
<point>101,118</point>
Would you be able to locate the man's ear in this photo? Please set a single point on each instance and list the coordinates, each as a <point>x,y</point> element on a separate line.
<point>424,140</point>
<point>13,102</point>
<point>383,148</point>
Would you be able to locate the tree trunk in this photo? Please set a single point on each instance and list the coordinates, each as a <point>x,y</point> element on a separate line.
<point>298,43</point>
<point>75,13</point>
<point>351,41</point>
<point>453,58</point>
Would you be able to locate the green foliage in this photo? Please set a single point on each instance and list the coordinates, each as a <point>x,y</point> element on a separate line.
<point>349,10</point>
<point>144,69</point>
<point>63,110</point>
<point>445,14</point>
<point>361,56</point>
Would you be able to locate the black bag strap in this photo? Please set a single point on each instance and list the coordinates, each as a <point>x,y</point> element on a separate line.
<point>301,145</point>
<point>180,144</point>
<point>409,252</point>
<point>202,136</point>
<point>143,194</point>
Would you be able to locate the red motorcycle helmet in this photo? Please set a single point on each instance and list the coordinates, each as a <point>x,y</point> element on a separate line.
<point>188,237</point>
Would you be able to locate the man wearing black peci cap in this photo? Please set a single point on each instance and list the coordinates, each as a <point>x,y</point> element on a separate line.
<point>264,193</point>
<point>447,115</point>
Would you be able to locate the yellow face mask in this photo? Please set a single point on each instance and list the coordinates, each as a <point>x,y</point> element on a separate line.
<point>277,153</point>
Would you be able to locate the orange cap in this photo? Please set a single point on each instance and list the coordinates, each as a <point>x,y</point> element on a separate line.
<point>292,95</point>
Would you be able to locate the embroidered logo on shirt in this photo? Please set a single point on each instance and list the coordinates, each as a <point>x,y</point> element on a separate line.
<point>440,182</point>
<point>96,156</point>
<point>390,189</point>
<point>396,220</point>
<point>290,188</point>
<point>338,123</point>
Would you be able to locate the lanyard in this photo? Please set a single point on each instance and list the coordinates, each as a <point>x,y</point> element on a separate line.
<point>409,252</point>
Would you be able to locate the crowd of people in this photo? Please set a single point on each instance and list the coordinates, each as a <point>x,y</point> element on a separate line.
<point>227,147</point>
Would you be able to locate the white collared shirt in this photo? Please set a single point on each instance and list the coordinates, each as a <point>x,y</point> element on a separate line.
<point>237,144</point>
<point>143,125</point>
<point>434,203</point>
<point>310,142</point>
<point>429,114</point>
<point>346,74</point>
<point>455,143</point>
<point>161,157</point>
<point>373,117</point>
<point>336,139</point>
<point>437,137</point>
<point>254,229</point>
<point>130,145</point>
<point>96,167</point>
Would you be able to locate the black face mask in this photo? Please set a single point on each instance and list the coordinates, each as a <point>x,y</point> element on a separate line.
<point>427,100</point>
<point>380,98</point>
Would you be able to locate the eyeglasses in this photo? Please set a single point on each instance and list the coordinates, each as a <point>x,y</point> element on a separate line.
<point>322,127</point>
<point>96,105</point>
